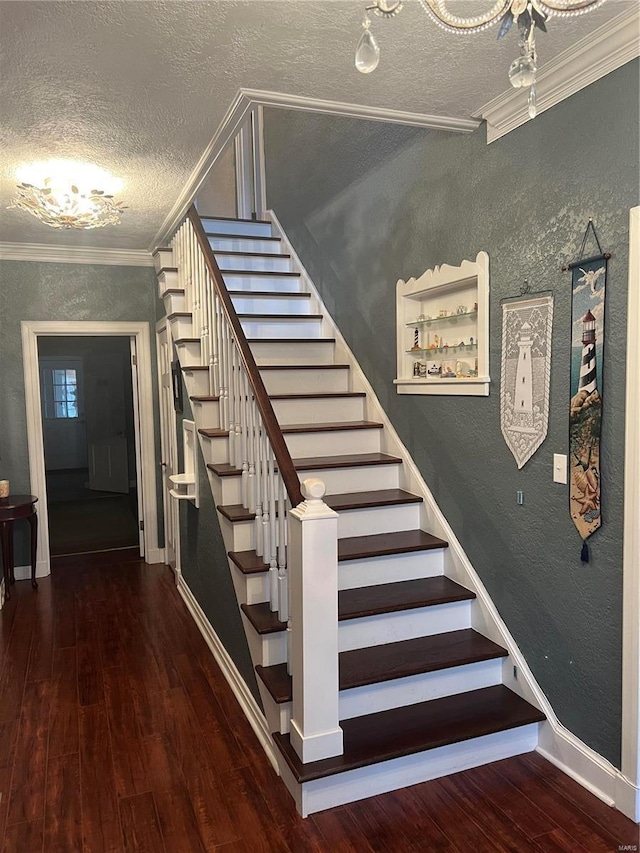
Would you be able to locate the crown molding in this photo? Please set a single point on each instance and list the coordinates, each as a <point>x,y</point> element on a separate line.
<point>605,49</point>
<point>75,255</point>
<point>246,99</point>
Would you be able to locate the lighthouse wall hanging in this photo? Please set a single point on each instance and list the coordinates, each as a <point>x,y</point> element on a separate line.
<point>589,278</point>
<point>526,372</point>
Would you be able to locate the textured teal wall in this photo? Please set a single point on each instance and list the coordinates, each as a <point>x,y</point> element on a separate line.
<point>48,291</point>
<point>366,204</point>
<point>205,566</point>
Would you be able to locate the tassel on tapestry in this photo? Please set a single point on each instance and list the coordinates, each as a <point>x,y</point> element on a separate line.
<point>526,373</point>
<point>589,278</point>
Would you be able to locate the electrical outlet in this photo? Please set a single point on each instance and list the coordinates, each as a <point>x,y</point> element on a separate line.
<point>559,468</point>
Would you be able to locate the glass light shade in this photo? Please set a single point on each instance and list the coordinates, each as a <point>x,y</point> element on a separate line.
<point>68,194</point>
<point>522,71</point>
<point>367,53</point>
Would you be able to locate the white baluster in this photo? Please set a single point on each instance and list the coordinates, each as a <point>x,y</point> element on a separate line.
<point>257,442</point>
<point>266,521</point>
<point>244,434</point>
<point>283,593</point>
<point>273,528</point>
<point>251,484</point>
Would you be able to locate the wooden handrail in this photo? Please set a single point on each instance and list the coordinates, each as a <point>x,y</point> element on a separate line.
<point>271,425</point>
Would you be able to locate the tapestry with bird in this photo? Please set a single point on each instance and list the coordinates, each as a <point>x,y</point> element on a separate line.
<point>589,278</point>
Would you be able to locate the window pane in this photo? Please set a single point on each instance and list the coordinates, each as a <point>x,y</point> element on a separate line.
<point>58,377</point>
<point>59,393</point>
<point>60,410</point>
<point>72,410</point>
<point>71,376</point>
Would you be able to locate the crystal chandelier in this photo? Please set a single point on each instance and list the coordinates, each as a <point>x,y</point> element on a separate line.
<point>68,194</point>
<point>526,14</point>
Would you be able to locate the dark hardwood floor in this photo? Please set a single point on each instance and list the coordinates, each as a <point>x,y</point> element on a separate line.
<point>118,732</point>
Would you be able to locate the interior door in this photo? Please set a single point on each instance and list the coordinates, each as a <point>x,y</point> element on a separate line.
<point>169,447</point>
<point>105,411</point>
<point>63,424</point>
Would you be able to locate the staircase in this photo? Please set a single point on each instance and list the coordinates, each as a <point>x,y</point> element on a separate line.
<point>422,688</point>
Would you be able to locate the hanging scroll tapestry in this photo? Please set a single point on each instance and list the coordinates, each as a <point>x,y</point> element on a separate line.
<point>589,278</point>
<point>526,371</point>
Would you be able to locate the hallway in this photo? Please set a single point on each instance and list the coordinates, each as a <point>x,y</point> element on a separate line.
<point>118,732</point>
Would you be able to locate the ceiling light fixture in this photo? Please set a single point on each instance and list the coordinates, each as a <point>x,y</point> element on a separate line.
<point>68,194</point>
<point>526,14</point>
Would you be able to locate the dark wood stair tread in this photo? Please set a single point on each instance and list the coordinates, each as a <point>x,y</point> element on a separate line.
<point>193,368</point>
<point>204,398</point>
<point>321,395</point>
<point>214,433</point>
<point>416,728</point>
<point>303,366</point>
<point>248,255</point>
<point>246,316</point>
<point>248,562</point>
<point>402,595</point>
<point>237,512</point>
<point>350,460</point>
<point>282,273</point>
<point>382,544</point>
<point>263,619</point>
<point>363,500</point>
<point>329,427</point>
<point>376,664</point>
<point>310,463</point>
<point>237,219</point>
<point>270,294</point>
<point>291,340</point>
<point>217,236</point>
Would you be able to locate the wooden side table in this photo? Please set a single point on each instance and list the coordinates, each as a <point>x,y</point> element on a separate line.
<point>11,509</point>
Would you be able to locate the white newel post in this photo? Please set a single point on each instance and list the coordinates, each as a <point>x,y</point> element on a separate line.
<point>313,580</point>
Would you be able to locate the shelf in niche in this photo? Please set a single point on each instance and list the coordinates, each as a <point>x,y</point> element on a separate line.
<point>433,320</point>
<point>443,350</point>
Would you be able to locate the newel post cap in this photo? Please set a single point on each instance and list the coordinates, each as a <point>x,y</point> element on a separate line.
<point>313,489</point>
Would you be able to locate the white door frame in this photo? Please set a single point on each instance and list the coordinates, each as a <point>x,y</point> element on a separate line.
<point>168,504</point>
<point>145,443</point>
<point>631,549</point>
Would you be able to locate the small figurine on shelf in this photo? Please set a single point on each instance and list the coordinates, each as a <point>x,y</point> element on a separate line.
<point>436,342</point>
<point>423,370</point>
<point>447,371</point>
<point>433,369</point>
<point>442,312</point>
<point>416,368</point>
<point>471,341</point>
<point>416,345</point>
<point>475,306</point>
<point>421,318</point>
<point>461,309</point>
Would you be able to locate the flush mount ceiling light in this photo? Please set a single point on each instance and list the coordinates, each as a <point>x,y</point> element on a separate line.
<point>68,194</point>
<point>526,14</point>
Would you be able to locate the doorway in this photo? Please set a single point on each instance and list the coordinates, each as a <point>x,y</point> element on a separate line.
<point>86,399</point>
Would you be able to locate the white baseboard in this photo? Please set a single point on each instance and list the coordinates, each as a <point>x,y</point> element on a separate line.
<point>236,682</point>
<point>583,764</point>
<point>23,573</point>
<point>155,555</point>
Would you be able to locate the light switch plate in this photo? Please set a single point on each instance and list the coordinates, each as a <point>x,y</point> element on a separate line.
<point>559,468</point>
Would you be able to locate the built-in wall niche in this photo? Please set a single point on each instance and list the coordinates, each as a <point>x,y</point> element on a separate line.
<point>186,484</point>
<point>442,321</point>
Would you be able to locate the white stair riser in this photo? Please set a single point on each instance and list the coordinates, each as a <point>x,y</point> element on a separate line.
<point>173,302</point>
<point>268,649</point>
<point>298,327</point>
<point>273,283</point>
<point>215,449</point>
<point>278,715</point>
<point>252,262</point>
<point>333,443</point>
<point>250,589</point>
<point>353,574</point>
<point>189,353</point>
<point>167,279</point>
<point>197,382</point>
<point>292,381</point>
<point>245,244</point>
<point>382,519</point>
<point>319,410</point>
<point>398,773</point>
<point>180,327</point>
<point>292,352</point>
<point>362,479</point>
<point>163,258</point>
<point>271,305</point>
<point>403,625</point>
<point>226,490</point>
<point>239,535</point>
<point>207,414</point>
<point>399,692</point>
<point>233,226</point>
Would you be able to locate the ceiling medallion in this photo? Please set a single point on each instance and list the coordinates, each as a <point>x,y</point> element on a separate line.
<point>526,14</point>
<point>68,194</point>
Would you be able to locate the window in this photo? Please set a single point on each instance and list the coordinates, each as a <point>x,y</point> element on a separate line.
<point>60,393</point>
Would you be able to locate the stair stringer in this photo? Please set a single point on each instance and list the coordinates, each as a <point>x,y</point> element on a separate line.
<point>485,616</point>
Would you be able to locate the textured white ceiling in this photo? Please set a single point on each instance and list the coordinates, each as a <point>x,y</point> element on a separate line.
<point>139,88</point>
